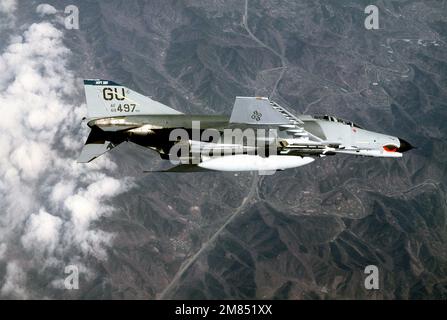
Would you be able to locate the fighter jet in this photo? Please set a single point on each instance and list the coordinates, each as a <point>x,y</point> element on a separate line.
<point>260,135</point>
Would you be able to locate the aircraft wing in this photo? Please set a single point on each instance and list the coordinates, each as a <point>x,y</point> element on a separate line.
<point>262,111</point>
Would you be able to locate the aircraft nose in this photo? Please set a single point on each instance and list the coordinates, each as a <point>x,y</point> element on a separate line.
<point>404,146</point>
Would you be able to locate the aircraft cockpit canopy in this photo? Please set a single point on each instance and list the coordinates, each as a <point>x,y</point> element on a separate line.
<point>335,119</point>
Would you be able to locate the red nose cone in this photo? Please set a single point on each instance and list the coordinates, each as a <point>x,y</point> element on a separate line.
<point>390,148</point>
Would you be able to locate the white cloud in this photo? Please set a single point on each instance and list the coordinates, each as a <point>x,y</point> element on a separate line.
<point>42,232</point>
<point>61,191</point>
<point>8,6</point>
<point>45,9</point>
<point>85,207</point>
<point>3,248</point>
<point>15,281</point>
<point>7,9</point>
<point>49,202</point>
<point>31,159</point>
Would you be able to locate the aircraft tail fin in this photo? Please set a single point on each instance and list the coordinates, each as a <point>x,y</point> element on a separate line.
<point>97,144</point>
<point>106,98</point>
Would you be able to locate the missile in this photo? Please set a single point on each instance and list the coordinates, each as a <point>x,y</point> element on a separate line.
<point>243,162</point>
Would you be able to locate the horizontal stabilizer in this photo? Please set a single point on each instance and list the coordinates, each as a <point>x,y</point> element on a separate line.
<point>94,150</point>
<point>97,144</point>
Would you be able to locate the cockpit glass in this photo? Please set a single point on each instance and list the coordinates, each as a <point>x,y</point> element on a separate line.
<point>335,119</point>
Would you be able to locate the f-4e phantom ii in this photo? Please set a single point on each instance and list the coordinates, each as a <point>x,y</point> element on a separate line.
<point>117,114</point>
